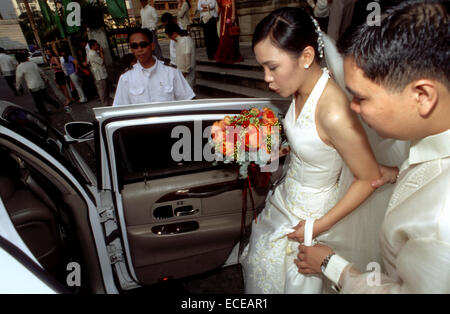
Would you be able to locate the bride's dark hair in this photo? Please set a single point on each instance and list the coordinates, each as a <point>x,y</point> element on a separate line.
<point>290,29</point>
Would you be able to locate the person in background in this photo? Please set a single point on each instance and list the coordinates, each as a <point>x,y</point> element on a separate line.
<point>167,18</point>
<point>70,65</point>
<point>185,51</point>
<point>228,50</point>
<point>321,11</point>
<point>98,68</point>
<point>34,78</point>
<point>208,17</point>
<point>87,81</point>
<point>183,17</point>
<point>149,18</point>
<point>149,80</point>
<point>8,69</point>
<point>60,78</point>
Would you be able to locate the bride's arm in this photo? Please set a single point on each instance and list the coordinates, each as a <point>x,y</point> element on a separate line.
<point>344,131</point>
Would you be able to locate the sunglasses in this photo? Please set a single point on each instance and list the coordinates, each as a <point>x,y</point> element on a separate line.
<point>142,44</point>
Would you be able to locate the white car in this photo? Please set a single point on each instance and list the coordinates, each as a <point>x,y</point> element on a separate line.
<point>137,217</point>
<point>36,57</point>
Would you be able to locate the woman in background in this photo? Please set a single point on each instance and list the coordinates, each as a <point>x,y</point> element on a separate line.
<point>60,78</point>
<point>183,14</point>
<point>71,66</point>
<point>228,50</point>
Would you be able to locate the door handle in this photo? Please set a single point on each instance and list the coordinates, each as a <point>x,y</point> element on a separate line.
<point>185,211</point>
<point>202,191</point>
<point>203,194</point>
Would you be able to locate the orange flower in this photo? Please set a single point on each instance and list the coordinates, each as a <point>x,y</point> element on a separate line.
<point>226,120</point>
<point>268,117</point>
<point>252,138</point>
<point>217,132</point>
<point>227,149</point>
<point>254,111</point>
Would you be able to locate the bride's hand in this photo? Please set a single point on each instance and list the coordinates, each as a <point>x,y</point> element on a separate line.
<point>388,175</point>
<point>299,233</point>
<point>284,150</point>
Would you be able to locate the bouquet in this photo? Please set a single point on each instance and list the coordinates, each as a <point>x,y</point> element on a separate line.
<point>251,136</point>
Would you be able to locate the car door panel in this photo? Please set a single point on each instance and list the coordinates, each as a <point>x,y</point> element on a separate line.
<point>182,218</point>
<point>218,218</point>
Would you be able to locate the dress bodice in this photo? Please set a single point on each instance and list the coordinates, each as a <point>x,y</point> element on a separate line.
<point>315,166</point>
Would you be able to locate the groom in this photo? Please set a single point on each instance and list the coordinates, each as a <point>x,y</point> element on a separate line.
<point>398,74</point>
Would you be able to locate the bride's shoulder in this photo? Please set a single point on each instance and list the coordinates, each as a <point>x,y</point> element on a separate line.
<point>334,107</point>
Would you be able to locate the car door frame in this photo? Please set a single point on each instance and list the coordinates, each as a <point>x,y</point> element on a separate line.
<point>39,152</point>
<point>122,116</point>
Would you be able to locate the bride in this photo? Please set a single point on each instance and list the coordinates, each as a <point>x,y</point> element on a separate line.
<point>325,137</point>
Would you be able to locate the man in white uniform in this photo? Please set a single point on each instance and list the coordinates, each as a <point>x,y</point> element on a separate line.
<point>149,80</point>
<point>8,69</point>
<point>399,76</point>
<point>149,18</point>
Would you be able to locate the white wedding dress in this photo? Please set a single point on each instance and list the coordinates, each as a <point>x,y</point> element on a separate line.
<point>316,179</point>
<point>309,190</point>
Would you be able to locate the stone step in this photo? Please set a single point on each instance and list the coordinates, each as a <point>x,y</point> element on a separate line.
<point>248,64</point>
<point>213,89</point>
<point>232,76</point>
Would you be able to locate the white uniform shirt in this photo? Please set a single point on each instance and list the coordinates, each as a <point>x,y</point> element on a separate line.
<point>212,7</point>
<point>98,67</point>
<point>415,235</point>
<point>186,58</point>
<point>149,17</point>
<point>7,64</point>
<point>159,83</point>
<point>173,52</point>
<point>32,75</point>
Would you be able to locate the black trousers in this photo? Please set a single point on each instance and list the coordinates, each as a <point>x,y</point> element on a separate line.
<point>211,37</point>
<point>39,97</point>
<point>11,80</point>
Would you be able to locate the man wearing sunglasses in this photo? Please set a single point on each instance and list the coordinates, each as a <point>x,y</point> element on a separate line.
<point>149,80</point>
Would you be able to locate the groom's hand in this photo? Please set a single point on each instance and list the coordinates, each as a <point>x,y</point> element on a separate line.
<point>310,258</point>
<point>388,175</point>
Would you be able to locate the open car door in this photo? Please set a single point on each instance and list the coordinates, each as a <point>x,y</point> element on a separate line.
<point>178,213</point>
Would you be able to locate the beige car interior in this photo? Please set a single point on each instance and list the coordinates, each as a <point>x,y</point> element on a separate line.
<point>25,186</point>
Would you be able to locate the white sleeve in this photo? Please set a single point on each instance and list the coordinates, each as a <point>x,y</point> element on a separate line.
<point>423,266</point>
<point>121,97</point>
<point>184,57</point>
<point>321,8</point>
<point>182,90</point>
<point>19,76</point>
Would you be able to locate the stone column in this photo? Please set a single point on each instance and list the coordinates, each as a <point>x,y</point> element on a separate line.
<point>251,12</point>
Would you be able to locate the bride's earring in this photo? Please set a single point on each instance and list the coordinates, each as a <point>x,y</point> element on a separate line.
<point>306,66</point>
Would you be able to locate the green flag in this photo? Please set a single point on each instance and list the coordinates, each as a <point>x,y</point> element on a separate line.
<point>72,17</point>
<point>118,10</point>
<point>59,24</point>
<point>46,12</point>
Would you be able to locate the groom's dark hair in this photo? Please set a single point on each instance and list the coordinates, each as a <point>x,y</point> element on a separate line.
<point>413,42</point>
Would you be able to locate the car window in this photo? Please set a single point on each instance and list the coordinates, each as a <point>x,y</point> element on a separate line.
<point>43,135</point>
<point>147,152</point>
